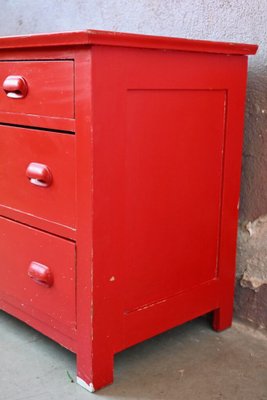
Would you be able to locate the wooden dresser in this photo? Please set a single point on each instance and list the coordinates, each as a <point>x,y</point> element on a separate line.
<point>120,162</point>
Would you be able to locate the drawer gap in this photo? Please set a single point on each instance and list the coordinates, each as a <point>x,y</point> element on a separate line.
<point>38,228</point>
<point>38,59</point>
<point>37,128</point>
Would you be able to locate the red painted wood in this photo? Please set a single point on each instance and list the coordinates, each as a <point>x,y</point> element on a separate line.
<point>41,53</point>
<point>94,321</point>
<point>50,328</point>
<point>38,222</point>
<point>230,194</point>
<point>19,147</point>
<point>85,305</point>
<point>160,139</point>
<point>147,189</point>
<point>94,37</point>
<point>59,124</point>
<point>21,246</point>
<point>169,184</point>
<point>50,88</point>
<point>148,321</point>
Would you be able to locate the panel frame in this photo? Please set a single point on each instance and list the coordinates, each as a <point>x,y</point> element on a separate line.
<point>131,69</point>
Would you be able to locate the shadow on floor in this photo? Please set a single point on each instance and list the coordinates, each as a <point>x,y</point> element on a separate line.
<point>188,362</point>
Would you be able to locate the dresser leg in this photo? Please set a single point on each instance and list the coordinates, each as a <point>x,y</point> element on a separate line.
<point>222,318</point>
<point>94,374</point>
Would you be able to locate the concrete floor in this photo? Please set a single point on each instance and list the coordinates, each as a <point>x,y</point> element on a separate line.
<point>189,362</point>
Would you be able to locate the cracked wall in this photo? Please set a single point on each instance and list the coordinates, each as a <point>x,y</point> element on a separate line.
<point>226,20</point>
<point>251,286</point>
<point>252,254</point>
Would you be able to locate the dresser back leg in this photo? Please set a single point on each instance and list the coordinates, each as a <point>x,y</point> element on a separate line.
<point>222,317</point>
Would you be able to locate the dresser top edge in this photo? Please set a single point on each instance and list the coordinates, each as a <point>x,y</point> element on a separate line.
<point>118,39</point>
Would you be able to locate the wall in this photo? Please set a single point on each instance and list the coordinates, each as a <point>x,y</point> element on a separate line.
<point>228,20</point>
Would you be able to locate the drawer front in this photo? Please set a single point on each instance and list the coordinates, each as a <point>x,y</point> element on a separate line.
<point>37,273</point>
<point>37,88</point>
<point>37,173</point>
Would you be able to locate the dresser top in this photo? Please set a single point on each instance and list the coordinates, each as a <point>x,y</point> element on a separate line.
<point>94,37</point>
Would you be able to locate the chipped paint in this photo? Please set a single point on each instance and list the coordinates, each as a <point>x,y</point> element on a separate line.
<point>86,386</point>
<point>146,306</point>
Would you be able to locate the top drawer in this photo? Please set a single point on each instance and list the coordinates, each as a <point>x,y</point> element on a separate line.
<point>37,87</point>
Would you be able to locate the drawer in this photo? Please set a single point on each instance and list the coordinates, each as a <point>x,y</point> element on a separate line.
<point>37,87</point>
<point>37,273</point>
<point>37,173</point>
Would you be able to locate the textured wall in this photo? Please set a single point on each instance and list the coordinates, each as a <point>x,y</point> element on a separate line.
<point>235,20</point>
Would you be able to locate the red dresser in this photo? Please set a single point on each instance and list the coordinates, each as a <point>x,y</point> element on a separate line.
<point>120,162</point>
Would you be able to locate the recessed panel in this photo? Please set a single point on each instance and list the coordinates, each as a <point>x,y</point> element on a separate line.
<point>173,162</point>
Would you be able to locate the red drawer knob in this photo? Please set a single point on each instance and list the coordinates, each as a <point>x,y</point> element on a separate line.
<point>39,174</point>
<point>15,87</point>
<point>40,274</point>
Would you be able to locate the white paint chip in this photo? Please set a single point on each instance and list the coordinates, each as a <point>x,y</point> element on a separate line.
<point>86,386</point>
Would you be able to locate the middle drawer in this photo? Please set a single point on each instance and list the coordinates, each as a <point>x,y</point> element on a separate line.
<point>37,173</point>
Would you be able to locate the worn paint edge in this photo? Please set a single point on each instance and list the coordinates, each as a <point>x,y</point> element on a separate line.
<point>86,386</point>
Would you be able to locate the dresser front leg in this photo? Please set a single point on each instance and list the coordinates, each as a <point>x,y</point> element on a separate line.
<point>94,372</point>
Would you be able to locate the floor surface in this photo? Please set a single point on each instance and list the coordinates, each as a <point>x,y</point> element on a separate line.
<point>189,362</point>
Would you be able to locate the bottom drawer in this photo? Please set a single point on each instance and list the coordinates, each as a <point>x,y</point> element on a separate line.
<point>37,273</point>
